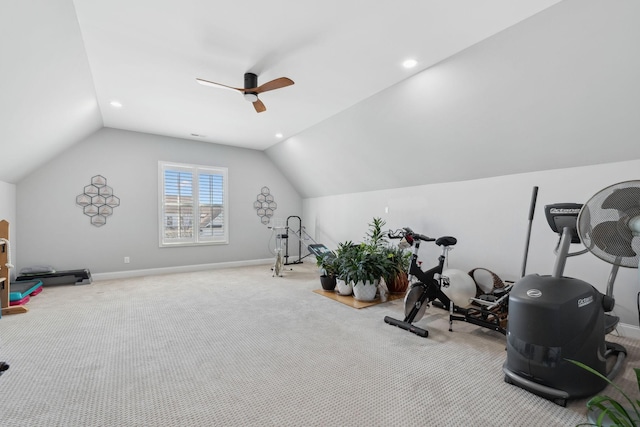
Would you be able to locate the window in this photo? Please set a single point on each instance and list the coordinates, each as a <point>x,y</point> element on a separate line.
<point>193,204</point>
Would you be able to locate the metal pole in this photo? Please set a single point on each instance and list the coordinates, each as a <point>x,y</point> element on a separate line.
<point>532,208</point>
<point>563,251</point>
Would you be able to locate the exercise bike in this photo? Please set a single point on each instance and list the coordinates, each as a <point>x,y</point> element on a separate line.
<point>426,285</point>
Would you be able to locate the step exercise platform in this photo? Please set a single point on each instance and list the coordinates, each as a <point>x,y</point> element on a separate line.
<point>22,291</point>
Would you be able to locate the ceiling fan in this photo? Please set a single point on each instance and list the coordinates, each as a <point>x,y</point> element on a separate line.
<point>251,88</point>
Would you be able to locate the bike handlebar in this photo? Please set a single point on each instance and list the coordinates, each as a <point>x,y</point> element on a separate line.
<point>407,232</point>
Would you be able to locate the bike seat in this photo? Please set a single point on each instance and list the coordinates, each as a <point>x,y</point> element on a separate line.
<point>446,241</point>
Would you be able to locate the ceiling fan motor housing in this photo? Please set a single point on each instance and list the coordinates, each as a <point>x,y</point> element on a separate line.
<point>250,80</point>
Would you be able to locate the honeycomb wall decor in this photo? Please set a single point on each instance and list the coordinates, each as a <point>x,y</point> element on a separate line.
<point>265,205</point>
<point>97,201</point>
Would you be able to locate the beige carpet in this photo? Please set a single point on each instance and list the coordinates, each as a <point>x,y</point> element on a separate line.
<point>237,347</point>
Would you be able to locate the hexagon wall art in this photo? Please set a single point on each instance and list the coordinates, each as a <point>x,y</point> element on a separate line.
<point>97,201</point>
<point>265,205</point>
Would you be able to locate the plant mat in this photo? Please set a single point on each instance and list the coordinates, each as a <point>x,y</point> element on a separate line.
<point>352,302</point>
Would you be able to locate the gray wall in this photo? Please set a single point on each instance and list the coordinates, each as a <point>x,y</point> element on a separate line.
<point>489,217</point>
<point>8,202</point>
<point>558,90</point>
<point>456,149</point>
<point>8,212</point>
<point>53,230</point>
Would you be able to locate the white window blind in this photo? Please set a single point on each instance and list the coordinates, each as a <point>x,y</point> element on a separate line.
<point>193,204</point>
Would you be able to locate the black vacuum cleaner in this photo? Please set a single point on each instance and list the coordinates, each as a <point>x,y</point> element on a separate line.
<point>556,318</point>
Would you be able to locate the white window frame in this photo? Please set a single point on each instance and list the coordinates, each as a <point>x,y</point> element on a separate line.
<point>199,236</point>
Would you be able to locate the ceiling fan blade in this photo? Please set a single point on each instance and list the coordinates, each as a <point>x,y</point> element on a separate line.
<point>259,106</point>
<point>218,85</point>
<point>251,93</point>
<point>273,84</point>
<point>612,239</point>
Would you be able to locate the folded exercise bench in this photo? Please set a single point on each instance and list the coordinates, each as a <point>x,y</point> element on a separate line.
<point>77,277</point>
<point>319,249</point>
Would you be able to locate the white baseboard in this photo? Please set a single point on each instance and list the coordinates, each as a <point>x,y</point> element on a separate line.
<point>179,269</point>
<point>629,331</point>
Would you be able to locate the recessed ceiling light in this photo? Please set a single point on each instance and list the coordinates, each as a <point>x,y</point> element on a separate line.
<point>409,63</point>
<point>116,104</point>
<point>279,135</point>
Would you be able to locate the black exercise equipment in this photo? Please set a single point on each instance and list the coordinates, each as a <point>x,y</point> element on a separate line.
<point>301,234</point>
<point>318,249</point>
<point>487,310</point>
<point>556,318</point>
<point>77,277</point>
<point>285,237</point>
<point>427,288</point>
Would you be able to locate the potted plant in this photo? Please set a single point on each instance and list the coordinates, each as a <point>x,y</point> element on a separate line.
<point>397,278</point>
<point>364,269</point>
<point>343,254</point>
<point>327,262</point>
<point>369,262</point>
<point>376,238</point>
<point>605,410</point>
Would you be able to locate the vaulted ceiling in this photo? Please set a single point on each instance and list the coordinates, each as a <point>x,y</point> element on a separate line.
<point>63,62</point>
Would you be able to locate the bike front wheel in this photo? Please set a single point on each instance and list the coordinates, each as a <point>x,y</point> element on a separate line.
<point>412,299</point>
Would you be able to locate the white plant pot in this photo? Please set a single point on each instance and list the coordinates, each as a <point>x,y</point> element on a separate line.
<point>343,287</point>
<point>365,291</point>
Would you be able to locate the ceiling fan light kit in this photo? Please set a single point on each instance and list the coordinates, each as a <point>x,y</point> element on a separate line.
<point>251,97</point>
<point>251,88</point>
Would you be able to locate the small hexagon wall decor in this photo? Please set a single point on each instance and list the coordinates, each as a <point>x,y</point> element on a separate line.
<point>265,205</point>
<point>113,201</point>
<point>97,201</point>
<point>83,200</point>
<point>105,191</point>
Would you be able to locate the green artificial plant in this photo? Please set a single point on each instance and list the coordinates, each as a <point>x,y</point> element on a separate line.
<point>328,263</point>
<point>367,261</point>
<point>609,410</point>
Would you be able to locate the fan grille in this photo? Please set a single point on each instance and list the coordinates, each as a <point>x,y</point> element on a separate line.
<point>603,224</point>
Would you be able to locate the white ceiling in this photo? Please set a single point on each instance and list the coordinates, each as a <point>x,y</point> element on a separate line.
<point>64,61</point>
<point>147,53</point>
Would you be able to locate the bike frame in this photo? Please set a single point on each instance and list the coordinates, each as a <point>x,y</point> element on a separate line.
<point>430,280</point>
